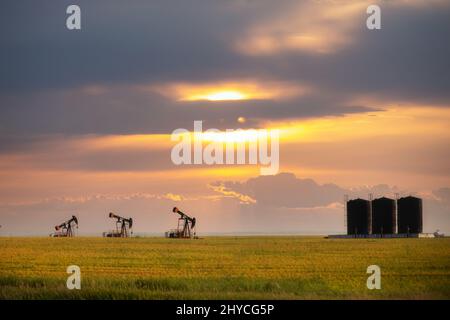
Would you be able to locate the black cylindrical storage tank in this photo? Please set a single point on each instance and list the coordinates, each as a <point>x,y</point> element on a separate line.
<point>358,217</point>
<point>409,213</point>
<point>383,216</point>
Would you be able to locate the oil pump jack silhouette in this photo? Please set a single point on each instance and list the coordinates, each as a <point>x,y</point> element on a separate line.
<point>66,229</point>
<point>123,227</point>
<point>185,228</point>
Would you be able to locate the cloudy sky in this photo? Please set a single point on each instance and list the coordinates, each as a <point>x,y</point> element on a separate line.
<point>86,115</point>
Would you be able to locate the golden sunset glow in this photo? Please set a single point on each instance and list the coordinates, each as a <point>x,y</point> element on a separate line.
<point>129,141</point>
<point>220,96</point>
<point>229,90</point>
<point>241,119</point>
<point>233,136</point>
<point>392,122</point>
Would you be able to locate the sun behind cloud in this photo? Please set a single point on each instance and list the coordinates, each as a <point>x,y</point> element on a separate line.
<point>230,90</point>
<point>220,96</point>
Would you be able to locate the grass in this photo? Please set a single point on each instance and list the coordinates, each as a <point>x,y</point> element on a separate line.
<point>224,268</point>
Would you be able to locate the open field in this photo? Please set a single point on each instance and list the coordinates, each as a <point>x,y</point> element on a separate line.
<point>224,268</point>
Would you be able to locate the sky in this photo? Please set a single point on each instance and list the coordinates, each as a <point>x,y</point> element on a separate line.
<point>86,116</point>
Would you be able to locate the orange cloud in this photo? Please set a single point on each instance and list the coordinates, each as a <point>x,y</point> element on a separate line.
<point>243,199</point>
<point>308,26</point>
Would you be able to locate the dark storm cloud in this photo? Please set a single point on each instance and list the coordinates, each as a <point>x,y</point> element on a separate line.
<point>176,40</point>
<point>285,190</point>
<point>407,60</point>
<point>119,42</point>
<point>144,42</point>
<point>125,111</point>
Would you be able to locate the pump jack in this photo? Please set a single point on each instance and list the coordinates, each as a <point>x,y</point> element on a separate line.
<point>65,229</point>
<point>185,228</point>
<point>123,227</point>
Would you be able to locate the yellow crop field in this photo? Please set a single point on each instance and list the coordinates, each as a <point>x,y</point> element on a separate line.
<point>224,268</point>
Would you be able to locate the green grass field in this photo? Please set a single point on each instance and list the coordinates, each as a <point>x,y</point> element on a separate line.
<point>224,268</point>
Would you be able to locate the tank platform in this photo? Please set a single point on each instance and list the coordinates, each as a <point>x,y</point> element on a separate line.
<point>394,235</point>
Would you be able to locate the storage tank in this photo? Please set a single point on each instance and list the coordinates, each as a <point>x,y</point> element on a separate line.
<point>410,215</point>
<point>383,216</point>
<point>358,217</point>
